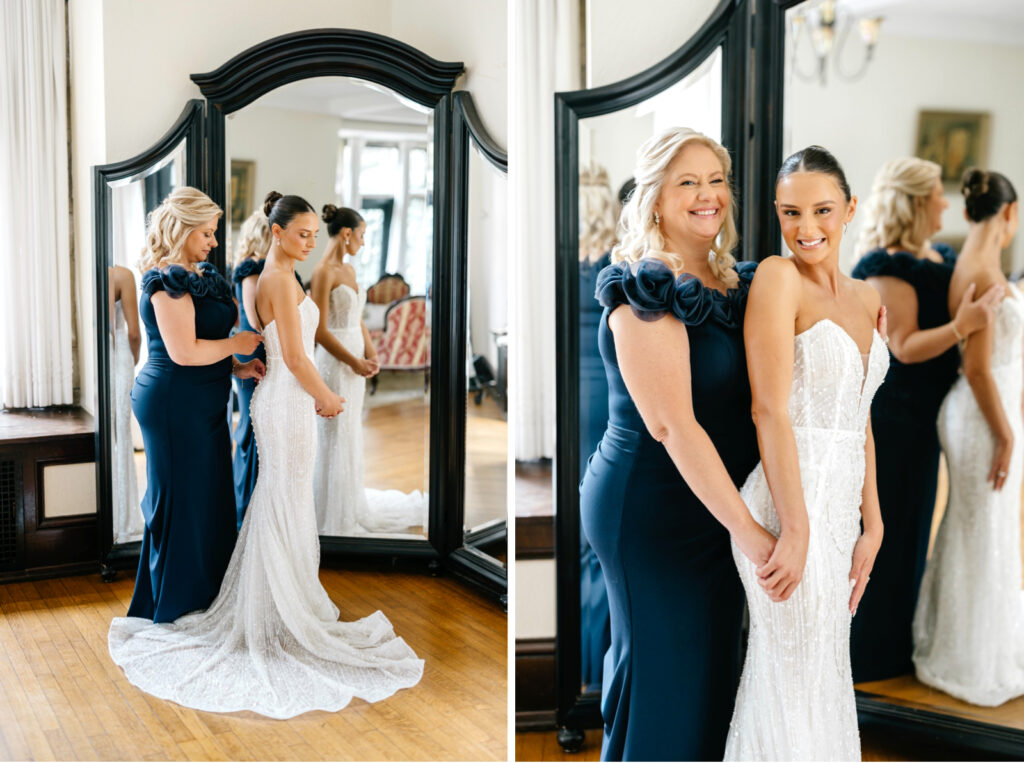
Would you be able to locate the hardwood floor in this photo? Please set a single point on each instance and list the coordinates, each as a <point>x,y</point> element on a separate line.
<point>875,746</point>
<point>64,699</point>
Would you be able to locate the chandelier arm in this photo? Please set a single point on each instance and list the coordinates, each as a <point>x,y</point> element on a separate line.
<point>844,35</point>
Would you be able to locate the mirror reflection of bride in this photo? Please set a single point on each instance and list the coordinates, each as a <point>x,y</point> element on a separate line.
<point>345,358</point>
<point>271,641</point>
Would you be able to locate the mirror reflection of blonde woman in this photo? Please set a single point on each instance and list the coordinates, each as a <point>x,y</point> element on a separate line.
<point>911,275</point>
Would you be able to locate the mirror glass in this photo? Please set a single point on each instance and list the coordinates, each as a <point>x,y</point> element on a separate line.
<point>132,199</point>
<point>607,155</point>
<point>486,504</point>
<point>872,81</point>
<point>356,144</point>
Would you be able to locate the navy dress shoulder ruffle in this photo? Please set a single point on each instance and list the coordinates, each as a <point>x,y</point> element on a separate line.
<point>190,527</point>
<point>903,416</point>
<point>675,599</point>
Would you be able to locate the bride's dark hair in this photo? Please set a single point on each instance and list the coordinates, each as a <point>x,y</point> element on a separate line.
<point>281,209</point>
<point>815,159</point>
<point>985,193</point>
<point>340,217</point>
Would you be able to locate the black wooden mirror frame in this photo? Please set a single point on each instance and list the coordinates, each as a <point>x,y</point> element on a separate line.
<point>465,560</point>
<point>727,27</point>
<point>188,126</point>
<point>763,230</point>
<point>420,78</point>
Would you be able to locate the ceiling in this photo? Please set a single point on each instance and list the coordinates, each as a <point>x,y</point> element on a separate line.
<point>987,21</point>
<point>348,98</point>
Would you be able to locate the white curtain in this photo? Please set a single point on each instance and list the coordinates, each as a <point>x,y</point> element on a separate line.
<point>544,58</point>
<point>35,257</point>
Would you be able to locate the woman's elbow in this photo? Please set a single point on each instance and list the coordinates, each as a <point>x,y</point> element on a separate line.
<point>293,360</point>
<point>764,414</point>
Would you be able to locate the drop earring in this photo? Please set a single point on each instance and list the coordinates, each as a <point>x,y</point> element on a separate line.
<point>657,219</point>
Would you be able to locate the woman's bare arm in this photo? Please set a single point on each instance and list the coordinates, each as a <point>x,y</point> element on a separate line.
<point>130,307</point>
<point>911,344</point>
<point>769,329</point>
<point>249,298</point>
<point>659,385</point>
<point>176,319</point>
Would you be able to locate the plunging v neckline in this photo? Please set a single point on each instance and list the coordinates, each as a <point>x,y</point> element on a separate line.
<point>864,356</point>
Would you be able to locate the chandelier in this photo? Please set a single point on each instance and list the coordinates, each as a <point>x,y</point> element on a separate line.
<point>829,25</point>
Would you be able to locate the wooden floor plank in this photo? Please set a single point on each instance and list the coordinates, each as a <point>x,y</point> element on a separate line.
<point>64,698</point>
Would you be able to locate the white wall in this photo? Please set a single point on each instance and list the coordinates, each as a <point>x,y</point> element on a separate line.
<point>488,255</point>
<point>295,152</point>
<point>85,32</point>
<point>626,38</point>
<point>868,122</point>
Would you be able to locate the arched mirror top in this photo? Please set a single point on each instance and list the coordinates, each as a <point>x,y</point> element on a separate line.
<point>641,86</point>
<point>465,109</point>
<point>323,53</point>
<point>187,127</point>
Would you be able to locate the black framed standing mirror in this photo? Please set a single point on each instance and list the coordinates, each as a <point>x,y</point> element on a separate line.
<point>356,119</point>
<point>123,194</point>
<point>479,250</point>
<point>896,81</point>
<point>702,85</point>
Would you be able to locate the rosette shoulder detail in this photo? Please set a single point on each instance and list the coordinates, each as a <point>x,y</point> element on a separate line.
<point>651,290</point>
<point>247,267</point>
<point>176,281</point>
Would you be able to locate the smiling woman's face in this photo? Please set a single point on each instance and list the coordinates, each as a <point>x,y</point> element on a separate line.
<point>694,198</point>
<point>199,242</point>
<point>812,211</point>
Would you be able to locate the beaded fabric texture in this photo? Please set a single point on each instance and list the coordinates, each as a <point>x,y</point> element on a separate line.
<point>796,700</point>
<point>128,520</point>
<point>271,641</point>
<point>343,505</point>
<point>969,622</point>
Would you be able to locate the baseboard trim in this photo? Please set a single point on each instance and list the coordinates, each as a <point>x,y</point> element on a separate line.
<point>536,696</point>
<point>535,537</point>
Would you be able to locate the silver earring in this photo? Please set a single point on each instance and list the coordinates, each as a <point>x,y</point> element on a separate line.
<point>657,219</point>
<point>845,226</point>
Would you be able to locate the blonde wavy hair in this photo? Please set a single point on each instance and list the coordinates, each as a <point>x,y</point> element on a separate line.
<point>640,237</point>
<point>597,213</point>
<point>167,227</point>
<point>253,238</point>
<point>896,212</point>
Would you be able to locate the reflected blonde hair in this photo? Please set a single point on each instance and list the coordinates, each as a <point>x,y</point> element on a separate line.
<point>167,227</point>
<point>640,237</point>
<point>597,213</point>
<point>896,211</point>
<point>253,238</point>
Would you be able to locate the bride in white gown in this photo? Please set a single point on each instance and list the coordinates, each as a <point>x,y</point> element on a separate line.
<point>815,361</point>
<point>969,621</point>
<point>345,358</point>
<point>271,641</point>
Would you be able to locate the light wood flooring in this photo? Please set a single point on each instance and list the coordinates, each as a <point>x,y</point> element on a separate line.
<point>875,746</point>
<point>62,698</point>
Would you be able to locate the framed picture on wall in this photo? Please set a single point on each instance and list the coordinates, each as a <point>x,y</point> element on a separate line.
<point>243,177</point>
<point>955,140</point>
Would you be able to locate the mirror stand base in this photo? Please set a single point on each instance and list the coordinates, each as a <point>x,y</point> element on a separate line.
<point>434,567</point>
<point>107,573</point>
<point>571,740</point>
<point>504,602</point>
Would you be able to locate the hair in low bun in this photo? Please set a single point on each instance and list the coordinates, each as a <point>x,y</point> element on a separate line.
<point>268,203</point>
<point>340,217</point>
<point>280,209</point>
<point>985,193</point>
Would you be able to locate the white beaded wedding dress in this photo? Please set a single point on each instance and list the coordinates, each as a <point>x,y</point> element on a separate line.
<point>271,641</point>
<point>343,505</point>
<point>129,523</point>
<point>969,621</point>
<point>796,700</point>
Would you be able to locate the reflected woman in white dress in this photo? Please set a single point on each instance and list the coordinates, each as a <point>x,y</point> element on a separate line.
<point>815,360</point>
<point>127,340</point>
<point>969,622</point>
<point>271,641</point>
<point>345,358</point>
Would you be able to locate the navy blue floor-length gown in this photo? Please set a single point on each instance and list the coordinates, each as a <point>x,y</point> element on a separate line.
<point>903,416</point>
<point>245,465</point>
<point>189,502</point>
<point>676,602</point>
